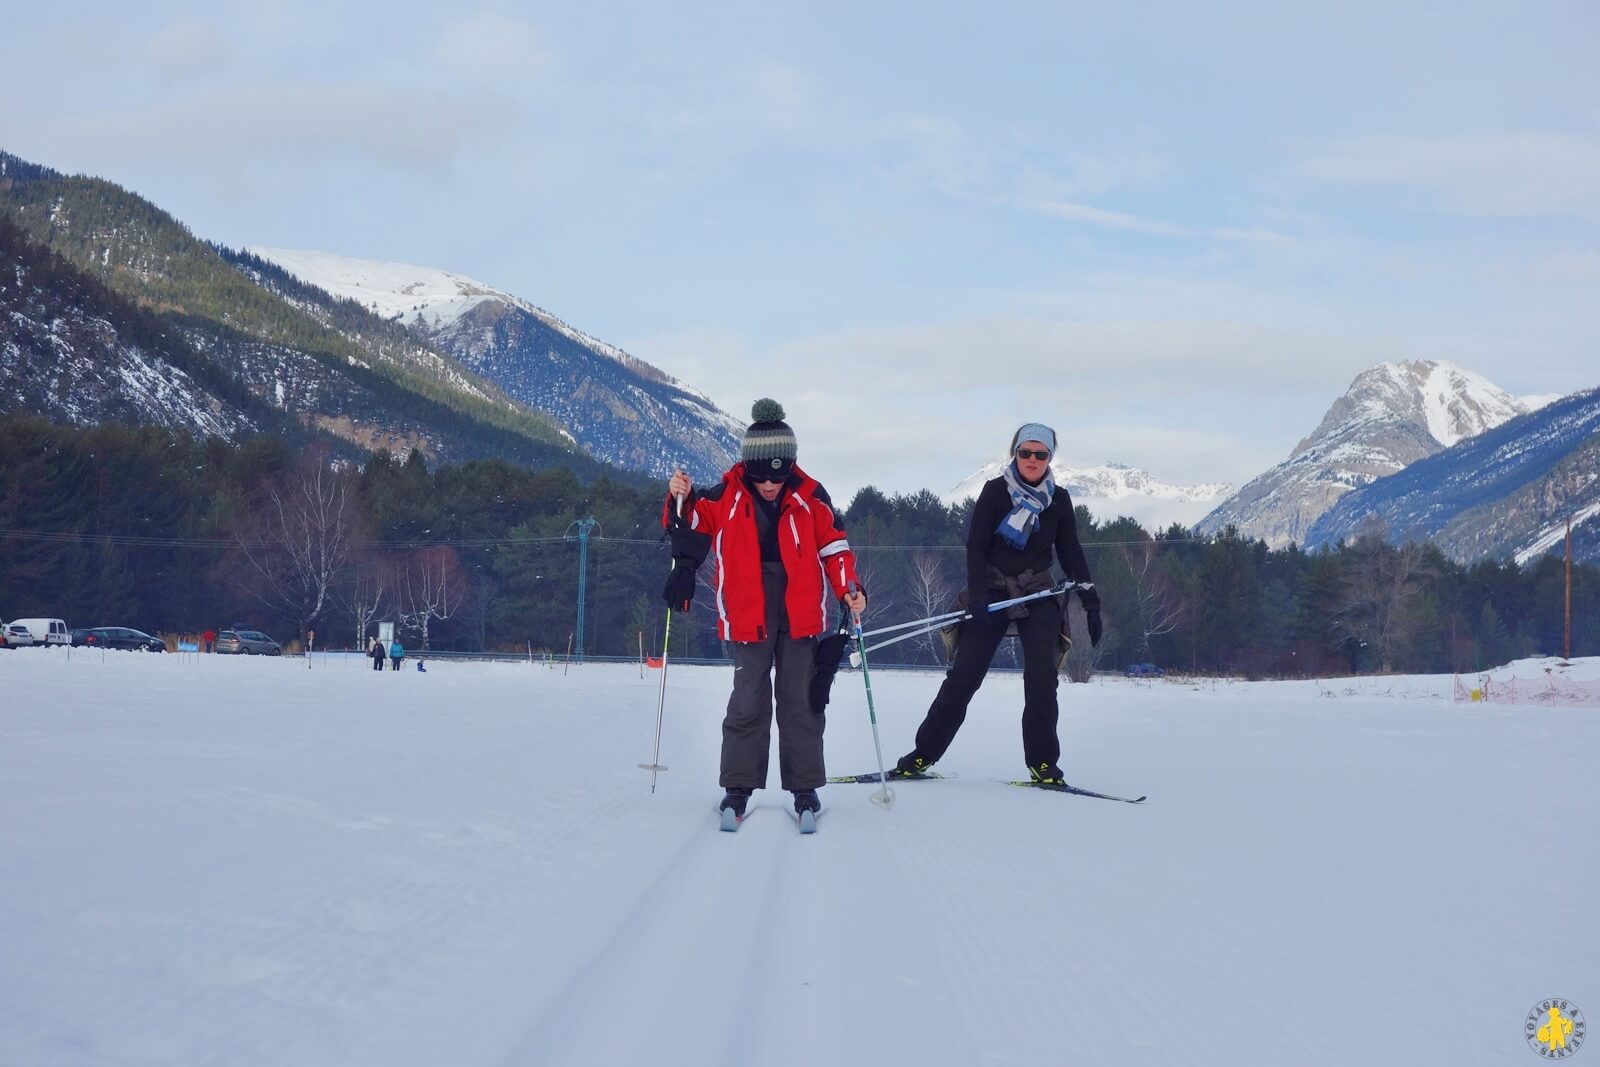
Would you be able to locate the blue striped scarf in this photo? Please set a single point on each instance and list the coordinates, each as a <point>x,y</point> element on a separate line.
<point>1027,501</point>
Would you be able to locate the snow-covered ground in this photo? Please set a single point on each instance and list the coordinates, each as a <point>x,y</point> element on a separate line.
<point>218,861</point>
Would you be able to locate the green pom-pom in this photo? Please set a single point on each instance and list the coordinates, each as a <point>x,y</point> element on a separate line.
<point>766,410</point>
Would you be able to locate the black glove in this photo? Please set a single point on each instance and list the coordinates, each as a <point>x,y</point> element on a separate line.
<point>1095,627</point>
<point>679,590</point>
<point>978,604</point>
<point>689,546</point>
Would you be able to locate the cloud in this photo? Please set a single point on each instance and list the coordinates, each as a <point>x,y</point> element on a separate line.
<point>417,132</point>
<point>751,105</point>
<point>1518,174</point>
<point>489,46</point>
<point>940,153</point>
<point>1570,267</point>
<point>912,407</point>
<point>1114,220</point>
<point>186,47</point>
<point>1117,220</point>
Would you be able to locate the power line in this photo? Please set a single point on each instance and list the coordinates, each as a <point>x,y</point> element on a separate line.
<point>144,541</point>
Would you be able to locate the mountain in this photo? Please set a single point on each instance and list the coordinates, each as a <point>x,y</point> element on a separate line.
<point>1392,415</point>
<point>251,339</point>
<point>617,407</point>
<point>77,353</point>
<point>1506,492</point>
<point>1113,490</point>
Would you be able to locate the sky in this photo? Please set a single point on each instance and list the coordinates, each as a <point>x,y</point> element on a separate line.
<point>1174,232</point>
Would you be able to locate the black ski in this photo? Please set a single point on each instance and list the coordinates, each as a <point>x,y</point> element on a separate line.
<point>873,779</point>
<point>1063,788</point>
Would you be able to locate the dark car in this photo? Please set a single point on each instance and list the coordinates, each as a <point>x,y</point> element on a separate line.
<point>1145,670</point>
<point>247,643</point>
<point>122,637</point>
<point>77,637</point>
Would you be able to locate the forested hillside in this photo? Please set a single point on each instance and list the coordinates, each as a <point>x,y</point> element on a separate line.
<point>163,530</point>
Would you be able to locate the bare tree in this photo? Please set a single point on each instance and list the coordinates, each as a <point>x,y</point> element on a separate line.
<point>1084,657</point>
<point>1381,586</point>
<point>880,600</point>
<point>1157,601</point>
<point>364,594</point>
<point>932,593</point>
<point>298,541</point>
<point>431,584</point>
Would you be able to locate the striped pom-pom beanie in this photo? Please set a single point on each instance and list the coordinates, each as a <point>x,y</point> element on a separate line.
<point>768,442</point>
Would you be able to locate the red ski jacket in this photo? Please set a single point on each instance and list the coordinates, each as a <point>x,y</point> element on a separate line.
<point>816,557</point>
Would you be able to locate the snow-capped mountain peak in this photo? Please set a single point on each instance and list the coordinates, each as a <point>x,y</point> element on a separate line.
<point>618,407</point>
<point>1392,415</point>
<point>1457,403</point>
<point>1113,489</point>
<point>390,290</point>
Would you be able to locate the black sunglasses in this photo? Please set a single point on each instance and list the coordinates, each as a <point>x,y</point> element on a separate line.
<point>759,478</point>
<point>1024,453</point>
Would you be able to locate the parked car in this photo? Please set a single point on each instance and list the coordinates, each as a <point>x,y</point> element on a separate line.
<point>122,637</point>
<point>77,638</point>
<point>247,643</point>
<point>17,635</point>
<point>1145,670</point>
<point>42,631</point>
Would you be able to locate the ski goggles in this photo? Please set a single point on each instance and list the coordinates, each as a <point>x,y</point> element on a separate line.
<point>768,470</point>
<point>1028,453</point>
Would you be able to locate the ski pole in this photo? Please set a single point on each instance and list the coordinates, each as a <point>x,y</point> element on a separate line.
<point>885,796</point>
<point>951,616</point>
<point>654,766</point>
<point>959,616</point>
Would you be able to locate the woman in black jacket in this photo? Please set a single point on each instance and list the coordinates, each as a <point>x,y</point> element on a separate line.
<point>1018,520</point>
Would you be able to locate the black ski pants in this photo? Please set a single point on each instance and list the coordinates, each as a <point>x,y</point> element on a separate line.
<point>747,728</point>
<point>1041,656</point>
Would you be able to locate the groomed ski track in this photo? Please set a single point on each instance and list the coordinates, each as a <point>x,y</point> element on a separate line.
<point>247,862</point>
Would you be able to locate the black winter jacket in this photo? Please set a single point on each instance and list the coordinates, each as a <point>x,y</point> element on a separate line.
<point>1057,528</point>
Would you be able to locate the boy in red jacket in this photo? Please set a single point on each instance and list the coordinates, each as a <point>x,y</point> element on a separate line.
<point>778,553</point>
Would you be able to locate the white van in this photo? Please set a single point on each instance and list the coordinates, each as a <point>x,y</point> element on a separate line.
<point>43,631</point>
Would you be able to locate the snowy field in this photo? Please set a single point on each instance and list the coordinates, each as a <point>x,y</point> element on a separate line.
<point>249,862</point>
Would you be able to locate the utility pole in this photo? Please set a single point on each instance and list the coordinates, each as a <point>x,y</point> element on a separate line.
<point>1566,653</point>
<point>584,526</point>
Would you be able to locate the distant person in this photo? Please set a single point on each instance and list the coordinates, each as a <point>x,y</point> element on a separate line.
<point>210,640</point>
<point>377,652</point>
<point>420,668</point>
<point>397,652</point>
<point>779,551</point>
<point>1019,519</point>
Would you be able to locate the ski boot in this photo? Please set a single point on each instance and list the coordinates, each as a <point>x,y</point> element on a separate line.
<point>1046,774</point>
<point>911,766</point>
<point>733,806</point>
<point>806,807</point>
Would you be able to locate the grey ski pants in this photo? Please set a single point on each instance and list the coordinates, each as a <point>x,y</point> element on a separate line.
<point>747,728</point>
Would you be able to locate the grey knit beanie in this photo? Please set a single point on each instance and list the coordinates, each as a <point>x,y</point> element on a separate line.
<point>768,437</point>
<point>1034,431</point>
